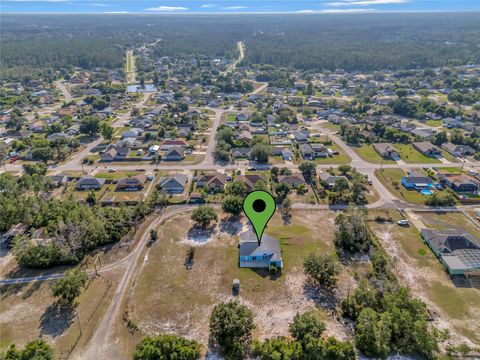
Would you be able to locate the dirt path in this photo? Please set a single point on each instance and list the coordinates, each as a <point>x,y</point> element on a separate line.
<point>131,70</point>
<point>241,55</point>
<point>101,344</point>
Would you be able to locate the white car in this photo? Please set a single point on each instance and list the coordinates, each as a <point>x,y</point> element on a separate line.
<point>110,170</point>
<point>403,222</point>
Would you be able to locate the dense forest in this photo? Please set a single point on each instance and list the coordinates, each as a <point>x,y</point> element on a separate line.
<point>368,41</point>
<point>353,42</point>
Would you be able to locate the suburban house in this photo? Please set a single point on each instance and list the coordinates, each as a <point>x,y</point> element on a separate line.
<point>58,136</point>
<point>242,153</point>
<point>58,180</point>
<point>386,150</point>
<point>241,117</point>
<point>306,151</point>
<point>173,184</point>
<point>216,181</point>
<point>293,180</point>
<point>417,180</point>
<point>458,251</point>
<point>427,148</point>
<point>109,155</point>
<point>330,180</point>
<point>285,153</point>
<point>134,183</point>
<point>89,182</point>
<point>174,154</point>
<point>168,144</point>
<point>458,150</point>
<point>319,150</point>
<point>423,133</point>
<point>254,255</point>
<point>460,183</point>
<point>300,136</point>
<point>251,179</point>
<point>244,136</point>
<point>132,133</point>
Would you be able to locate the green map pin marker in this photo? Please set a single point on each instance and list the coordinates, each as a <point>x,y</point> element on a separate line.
<point>259,206</point>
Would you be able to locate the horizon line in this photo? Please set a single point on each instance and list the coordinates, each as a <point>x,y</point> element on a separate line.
<point>298,12</point>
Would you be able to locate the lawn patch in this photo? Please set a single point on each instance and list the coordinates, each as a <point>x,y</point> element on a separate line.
<point>368,153</point>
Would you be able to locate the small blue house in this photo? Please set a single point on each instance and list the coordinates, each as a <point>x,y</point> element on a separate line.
<point>416,180</point>
<point>253,255</point>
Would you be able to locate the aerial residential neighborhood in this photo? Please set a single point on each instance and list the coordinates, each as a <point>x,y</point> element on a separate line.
<point>123,177</point>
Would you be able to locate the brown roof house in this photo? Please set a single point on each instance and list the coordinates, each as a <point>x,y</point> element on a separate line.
<point>251,179</point>
<point>134,183</point>
<point>216,181</point>
<point>293,180</point>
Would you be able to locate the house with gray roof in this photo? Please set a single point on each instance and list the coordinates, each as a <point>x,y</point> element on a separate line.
<point>427,148</point>
<point>132,133</point>
<point>175,153</point>
<point>386,150</point>
<point>173,184</point>
<point>458,251</point>
<point>251,254</point>
<point>242,153</point>
<point>89,182</point>
<point>458,150</point>
<point>330,180</point>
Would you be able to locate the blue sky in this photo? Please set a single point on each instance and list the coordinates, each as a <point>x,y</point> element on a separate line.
<point>235,6</point>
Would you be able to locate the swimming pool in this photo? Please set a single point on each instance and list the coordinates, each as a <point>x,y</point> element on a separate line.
<point>426,192</point>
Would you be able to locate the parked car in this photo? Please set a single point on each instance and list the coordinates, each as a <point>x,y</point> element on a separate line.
<point>438,186</point>
<point>403,222</point>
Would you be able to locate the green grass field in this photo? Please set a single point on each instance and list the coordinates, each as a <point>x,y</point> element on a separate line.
<point>434,122</point>
<point>329,126</point>
<point>368,153</point>
<point>411,156</point>
<point>341,158</point>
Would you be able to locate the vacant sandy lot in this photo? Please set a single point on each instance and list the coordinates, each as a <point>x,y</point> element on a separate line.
<point>169,298</point>
<point>452,305</point>
<point>29,311</point>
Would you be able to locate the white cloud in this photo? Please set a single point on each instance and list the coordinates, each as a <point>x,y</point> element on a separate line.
<point>306,11</point>
<point>365,2</point>
<point>167,8</point>
<point>237,7</point>
<point>208,6</point>
<point>98,4</point>
<point>341,11</point>
<point>116,12</point>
